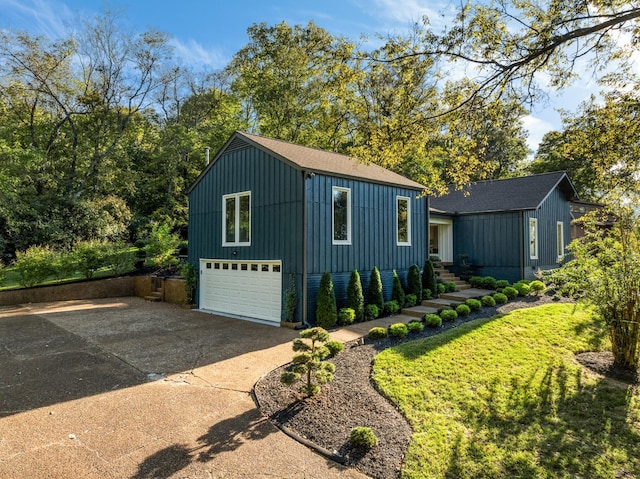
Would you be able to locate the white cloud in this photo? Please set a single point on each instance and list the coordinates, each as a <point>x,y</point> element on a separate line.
<point>537,128</point>
<point>51,19</point>
<point>196,56</point>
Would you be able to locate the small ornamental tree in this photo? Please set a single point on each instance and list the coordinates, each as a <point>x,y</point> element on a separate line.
<point>308,364</point>
<point>326,309</point>
<point>429,278</point>
<point>414,282</point>
<point>34,265</point>
<point>397,293</point>
<point>375,289</point>
<point>355,298</point>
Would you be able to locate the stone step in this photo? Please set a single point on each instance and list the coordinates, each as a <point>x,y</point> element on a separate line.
<point>152,298</point>
<point>466,294</point>
<point>418,311</point>
<point>439,302</point>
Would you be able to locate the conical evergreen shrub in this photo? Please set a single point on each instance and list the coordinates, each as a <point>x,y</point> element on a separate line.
<point>326,309</point>
<point>375,289</point>
<point>397,293</point>
<point>429,278</point>
<point>355,298</point>
<point>414,282</point>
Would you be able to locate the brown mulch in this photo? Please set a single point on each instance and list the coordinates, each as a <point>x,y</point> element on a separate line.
<point>352,400</point>
<point>601,362</point>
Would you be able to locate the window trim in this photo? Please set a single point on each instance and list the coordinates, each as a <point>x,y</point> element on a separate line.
<point>533,242</point>
<point>560,240</point>
<point>408,200</point>
<point>333,216</point>
<point>237,197</point>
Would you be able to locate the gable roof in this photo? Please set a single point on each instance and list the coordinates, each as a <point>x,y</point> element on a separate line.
<point>314,160</point>
<point>511,194</point>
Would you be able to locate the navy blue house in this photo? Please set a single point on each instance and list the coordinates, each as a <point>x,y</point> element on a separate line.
<point>267,215</point>
<point>506,228</point>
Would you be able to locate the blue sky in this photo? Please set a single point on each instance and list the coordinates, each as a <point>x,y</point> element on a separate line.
<point>206,33</point>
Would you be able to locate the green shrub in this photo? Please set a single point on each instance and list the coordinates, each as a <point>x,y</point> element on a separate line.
<point>355,298</point>
<point>161,245</point>
<point>371,312</point>
<point>476,281</point>
<point>391,307</point>
<point>449,315</point>
<point>415,326</point>
<point>463,310</point>
<point>451,286</point>
<point>537,287</point>
<point>414,283</point>
<point>443,308</point>
<point>33,265</point>
<point>522,288</point>
<point>500,298</point>
<point>429,278</point>
<point>502,283</point>
<point>398,330</point>
<point>119,257</point>
<point>346,316</point>
<point>90,256</point>
<point>63,265</point>
<point>473,303</point>
<point>410,300</point>
<point>375,289</point>
<point>3,272</point>
<point>308,363</point>
<point>397,293</point>
<point>441,288</point>
<point>326,309</point>
<point>489,282</point>
<point>377,333</point>
<point>291,299</point>
<point>190,275</point>
<point>510,292</point>
<point>334,347</point>
<point>363,437</point>
<point>427,294</point>
<point>432,320</point>
<point>488,301</point>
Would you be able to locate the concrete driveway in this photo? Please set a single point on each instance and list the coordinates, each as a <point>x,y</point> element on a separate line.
<point>123,388</point>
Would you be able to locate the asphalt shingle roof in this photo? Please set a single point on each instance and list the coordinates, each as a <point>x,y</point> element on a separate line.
<point>511,194</point>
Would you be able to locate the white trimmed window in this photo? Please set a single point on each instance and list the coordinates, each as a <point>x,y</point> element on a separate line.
<point>236,219</point>
<point>560,239</point>
<point>341,215</point>
<point>403,221</point>
<point>533,238</point>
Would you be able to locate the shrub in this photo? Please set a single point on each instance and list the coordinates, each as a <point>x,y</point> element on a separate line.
<point>441,288</point>
<point>334,347</point>
<point>371,312</point>
<point>355,298</point>
<point>410,300</point>
<point>451,286</point>
<point>326,310</point>
<point>375,289</point>
<point>415,326</point>
<point>363,437</point>
<point>449,315</point>
<point>414,283</point>
<point>161,246</point>
<point>489,282</point>
<point>473,303</point>
<point>432,320</point>
<point>522,288</point>
<point>398,330</point>
<point>391,307</point>
<point>429,278</point>
<point>377,333</point>
<point>90,256</point>
<point>537,287</point>
<point>308,362</point>
<point>476,281</point>
<point>397,293</point>
<point>488,301</point>
<point>510,292</point>
<point>500,298</point>
<point>33,265</point>
<point>291,300</point>
<point>190,275</point>
<point>443,308</point>
<point>427,294</point>
<point>502,283</point>
<point>119,257</point>
<point>63,265</point>
<point>463,310</point>
<point>346,316</point>
<point>3,272</point>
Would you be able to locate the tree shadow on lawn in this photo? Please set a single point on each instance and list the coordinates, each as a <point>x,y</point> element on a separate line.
<point>559,424</point>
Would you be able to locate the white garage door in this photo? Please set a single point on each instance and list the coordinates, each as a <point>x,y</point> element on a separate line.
<point>251,289</point>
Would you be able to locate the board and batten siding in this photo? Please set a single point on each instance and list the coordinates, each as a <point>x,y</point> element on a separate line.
<point>276,212</point>
<point>373,236</point>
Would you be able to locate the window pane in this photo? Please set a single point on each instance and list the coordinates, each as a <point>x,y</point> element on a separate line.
<point>533,238</point>
<point>403,220</point>
<point>230,222</point>
<point>340,215</point>
<point>245,219</point>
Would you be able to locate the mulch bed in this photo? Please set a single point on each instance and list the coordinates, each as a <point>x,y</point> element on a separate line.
<point>601,362</point>
<point>352,400</point>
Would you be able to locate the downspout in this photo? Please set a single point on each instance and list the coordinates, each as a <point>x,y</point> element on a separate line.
<point>305,324</point>
<point>426,246</point>
<point>522,249</point>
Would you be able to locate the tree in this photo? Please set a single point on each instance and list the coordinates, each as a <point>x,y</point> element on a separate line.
<point>355,298</point>
<point>326,309</point>
<point>375,289</point>
<point>429,281</point>
<point>397,293</point>
<point>414,283</point>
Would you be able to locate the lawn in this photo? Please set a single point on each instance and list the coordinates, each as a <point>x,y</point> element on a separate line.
<point>504,397</point>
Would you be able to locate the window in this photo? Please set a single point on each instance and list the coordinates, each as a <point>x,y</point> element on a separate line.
<point>236,217</point>
<point>560,239</point>
<point>533,238</point>
<point>403,221</point>
<point>341,213</point>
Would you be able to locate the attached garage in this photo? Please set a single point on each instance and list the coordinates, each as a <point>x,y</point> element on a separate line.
<point>249,289</point>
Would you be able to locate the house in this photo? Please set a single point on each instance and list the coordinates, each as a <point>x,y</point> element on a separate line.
<point>267,215</point>
<point>505,228</point>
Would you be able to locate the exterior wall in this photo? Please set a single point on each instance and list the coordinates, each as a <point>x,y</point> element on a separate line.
<point>373,236</point>
<point>276,212</point>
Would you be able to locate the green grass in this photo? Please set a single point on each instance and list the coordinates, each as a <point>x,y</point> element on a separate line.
<point>505,398</point>
<point>12,280</point>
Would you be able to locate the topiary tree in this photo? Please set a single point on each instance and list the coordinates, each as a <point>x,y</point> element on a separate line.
<point>429,278</point>
<point>397,293</point>
<point>355,298</point>
<point>308,364</point>
<point>326,309</point>
<point>414,282</point>
<point>375,289</point>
